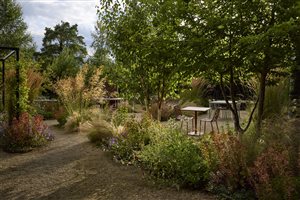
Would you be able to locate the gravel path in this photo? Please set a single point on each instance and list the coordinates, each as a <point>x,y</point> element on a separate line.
<point>72,168</point>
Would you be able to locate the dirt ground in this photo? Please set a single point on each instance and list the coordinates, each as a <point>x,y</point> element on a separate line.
<point>72,168</point>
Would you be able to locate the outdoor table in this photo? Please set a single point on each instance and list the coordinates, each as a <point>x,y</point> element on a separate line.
<point>113,100</point>
<point>221,102</point>
<point>196,110</point>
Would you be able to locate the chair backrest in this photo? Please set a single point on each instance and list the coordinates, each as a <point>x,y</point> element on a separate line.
<point>216,115</point>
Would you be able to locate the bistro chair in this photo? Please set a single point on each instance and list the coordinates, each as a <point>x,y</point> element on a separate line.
<point>185,119</point>
<point>211,120</point>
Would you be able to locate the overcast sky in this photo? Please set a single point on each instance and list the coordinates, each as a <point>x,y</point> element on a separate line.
<point>39,14</point>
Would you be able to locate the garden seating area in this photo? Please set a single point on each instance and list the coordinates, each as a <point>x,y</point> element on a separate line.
<point>172,99</point>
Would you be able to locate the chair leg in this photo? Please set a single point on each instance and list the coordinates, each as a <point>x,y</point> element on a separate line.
<point>193,124</point>
<point>187,127</point>
<point>204,127</point>
<point>217,126</point>
<point>212,128</point>
<point>181,124</point>
<point>200,127</point>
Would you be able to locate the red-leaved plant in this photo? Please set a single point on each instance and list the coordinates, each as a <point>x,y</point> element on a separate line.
<point>271,175</point>
<point>26,133</point>
<point>231,162</point>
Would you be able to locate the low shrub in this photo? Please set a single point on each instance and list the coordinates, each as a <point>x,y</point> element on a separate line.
<point>166,111</point>
<point>259,166</point>
<point>173,157</point>
<point>61,116</point>
<point>120,116</point>
<point>46,108</point>
<point>100,135</point>
<point>76,120</point>
<point>271,175</point>
<point>274,171</point>
<point>98,129</point>
<point>25,133</point>
<point>226,157</point>
<point>131,139</point>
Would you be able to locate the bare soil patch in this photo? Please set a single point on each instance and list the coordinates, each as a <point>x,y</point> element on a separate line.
<point>72,168</point>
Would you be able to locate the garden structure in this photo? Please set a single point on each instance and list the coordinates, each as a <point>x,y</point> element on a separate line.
<point>8,52</point>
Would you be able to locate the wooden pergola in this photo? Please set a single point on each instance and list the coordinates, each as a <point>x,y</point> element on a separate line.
<point>11,51</point>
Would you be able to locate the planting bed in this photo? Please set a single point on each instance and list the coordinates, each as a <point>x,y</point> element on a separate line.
<point>72,168</point>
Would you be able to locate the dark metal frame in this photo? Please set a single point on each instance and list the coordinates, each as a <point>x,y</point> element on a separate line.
<point>15,51</point>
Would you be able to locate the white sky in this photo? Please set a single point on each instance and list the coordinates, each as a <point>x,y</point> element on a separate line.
<point>39,14</point>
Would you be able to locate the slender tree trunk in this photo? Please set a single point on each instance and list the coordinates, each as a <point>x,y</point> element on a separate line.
<point>147,102</point>
<point>160,97</point>
<point>146,94</point>
<point>233,109</point>
<point>262,90</point>
<point>263,78</point>
<point>159,110</point>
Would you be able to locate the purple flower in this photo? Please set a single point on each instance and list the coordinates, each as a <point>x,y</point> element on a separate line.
<point>112,141</point>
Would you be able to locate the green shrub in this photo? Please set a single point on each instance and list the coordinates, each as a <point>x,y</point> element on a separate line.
<point>61,116</point>
<point>100,135</point>
<point>48,109</point>
<point>173,157</point>
<point>166,111</point>
<point>119,116</point>
<point>132,139</point>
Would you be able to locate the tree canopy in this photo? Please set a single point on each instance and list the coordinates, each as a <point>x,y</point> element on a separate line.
<point>13,29</point>
<point>102,51</point>
<point>146,48</point>
<point>62,36</point>
<point>156,42</point>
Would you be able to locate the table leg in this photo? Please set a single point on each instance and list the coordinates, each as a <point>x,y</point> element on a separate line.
<point>196,122</point>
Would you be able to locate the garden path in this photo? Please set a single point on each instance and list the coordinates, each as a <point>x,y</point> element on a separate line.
<point>72,168</point>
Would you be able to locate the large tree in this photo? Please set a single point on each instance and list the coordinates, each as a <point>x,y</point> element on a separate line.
<point>146,48</point>
<point>62,36</point>
<point>13,29</point>
<point>239,38</point>
<point>213,30</point>
<point>268,47</point>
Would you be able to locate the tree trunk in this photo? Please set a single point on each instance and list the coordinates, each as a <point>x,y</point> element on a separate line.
<point>159,104</point>
<point>160,98</point>
<point>159,111</point>
<point>146,96</point>
<point>146,101</point>
<point>233,107</point>
<point>262,89</point>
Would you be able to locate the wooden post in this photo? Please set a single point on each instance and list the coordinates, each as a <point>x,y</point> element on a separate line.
<point>3,84</point>
<point>196,122</point>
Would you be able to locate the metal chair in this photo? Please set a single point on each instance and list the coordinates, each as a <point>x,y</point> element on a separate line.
<point>211,120</point>
<point>185,119</point>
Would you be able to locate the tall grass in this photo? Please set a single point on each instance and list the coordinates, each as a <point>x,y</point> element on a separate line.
<point>276,99</point>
